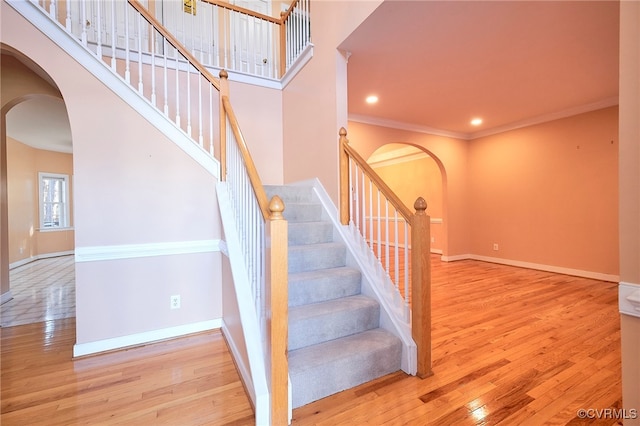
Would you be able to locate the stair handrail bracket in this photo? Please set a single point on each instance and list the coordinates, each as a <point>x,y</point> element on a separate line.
<point>395,240</point>
<point>263,233</point>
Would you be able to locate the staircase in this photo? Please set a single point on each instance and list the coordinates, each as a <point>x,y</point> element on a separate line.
<point>335,341</point>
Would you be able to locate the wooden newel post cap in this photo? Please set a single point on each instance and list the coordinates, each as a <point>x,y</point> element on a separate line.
<point>276,207</point>
<point>224,74</point>
<point>343,135</point>
<point>420,205</point>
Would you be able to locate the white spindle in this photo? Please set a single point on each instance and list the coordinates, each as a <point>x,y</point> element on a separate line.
<point>379,239</point>
<point>406,264</point>
<point>396,251</point>
<point>211,119</point>
<point>68,20</point>
<point>165,77</point>
<point>177,90</point>
<point>200,138</point>
<point>113,35</point>
<point>140,85</point>
<point>99,28</point>
<point>370,213</point>
<point>83,23</point>
<point>153,64</point>
<point>386,232</point>
<point>127,53</point>
<point>189,99</point>
<point>52,10</point>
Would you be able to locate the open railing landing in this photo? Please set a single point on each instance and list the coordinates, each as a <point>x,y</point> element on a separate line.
<point>396,239</point>
<point>219,34</point>
<point>148,57</point>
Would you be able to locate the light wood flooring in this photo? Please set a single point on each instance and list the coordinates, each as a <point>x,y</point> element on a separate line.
<point>510,346</point>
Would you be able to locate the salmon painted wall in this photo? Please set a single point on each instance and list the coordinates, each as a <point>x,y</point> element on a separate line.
<point>630,199</point>
<point>315,102</point>
<point>548,194</point>
<point>26,240</point>
<point>417,178</point>
<point>451,157</point>
<point>134,189</point>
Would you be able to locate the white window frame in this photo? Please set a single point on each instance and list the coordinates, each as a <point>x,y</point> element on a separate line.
<point>65,219</point>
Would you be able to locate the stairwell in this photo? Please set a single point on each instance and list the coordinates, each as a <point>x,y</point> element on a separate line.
<point>335,341</point>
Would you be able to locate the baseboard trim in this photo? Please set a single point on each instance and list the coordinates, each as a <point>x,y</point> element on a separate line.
<point>28,260</point>
<point>118,343</point>
<point>629,299</point>
<point>129,251</point>
<point>537,266</point>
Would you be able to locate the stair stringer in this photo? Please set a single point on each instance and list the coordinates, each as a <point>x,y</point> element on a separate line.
<point>85,57</point>
<point>250,362</point>
<point>391,312</point>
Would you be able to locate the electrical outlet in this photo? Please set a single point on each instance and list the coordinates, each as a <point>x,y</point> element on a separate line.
<point>433,239</point>
<point>175,302</point>
<point>495,246</point>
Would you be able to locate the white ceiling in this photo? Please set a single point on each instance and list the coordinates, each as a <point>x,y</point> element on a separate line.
<point>437,64</point>
<point>41,122</point>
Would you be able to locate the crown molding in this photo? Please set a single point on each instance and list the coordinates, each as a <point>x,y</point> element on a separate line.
<point>412,127</point>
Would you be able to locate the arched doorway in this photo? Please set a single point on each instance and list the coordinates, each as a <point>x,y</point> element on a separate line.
<point>411,172</point>
<point>38,268</point>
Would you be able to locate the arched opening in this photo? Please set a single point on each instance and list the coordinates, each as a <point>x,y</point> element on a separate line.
<point>411,172</point>
<point>38,267</point>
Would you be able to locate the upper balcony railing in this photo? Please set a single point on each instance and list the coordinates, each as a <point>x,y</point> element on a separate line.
<point>218,34</point>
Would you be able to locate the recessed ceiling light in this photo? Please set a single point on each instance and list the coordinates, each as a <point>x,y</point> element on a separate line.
<point>476,121</point>
<point>372,99</point>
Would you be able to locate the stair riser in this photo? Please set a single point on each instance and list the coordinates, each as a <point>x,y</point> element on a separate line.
<point>308,288</point>
<point>290,194</point>
<point>301,233</point>
<point>346,319</point>
<point>302,212</point>
<point>311,258</point>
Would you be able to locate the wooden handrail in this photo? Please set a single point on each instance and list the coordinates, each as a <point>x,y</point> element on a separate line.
<point>244,11</point>
<point>371,174</point>
<point>285,15</point>
<point>256,183</point>
<point>175,43</point>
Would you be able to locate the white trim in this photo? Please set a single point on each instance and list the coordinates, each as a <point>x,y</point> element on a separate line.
<point>396,156</point>
<point>375,121</point>
<point>629,299</point>
<point>28,260</point>
<point>547,268</point>
<point>54,31</point>
<point>455,258</point>
<point>581,109</point>
<point>83,349</point>
<point>129,251</point>
<point>5,297</point>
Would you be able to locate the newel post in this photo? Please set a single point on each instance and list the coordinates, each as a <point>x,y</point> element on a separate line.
<point>277,312</point>
<point>421,286</point>
<point>224,91</point>
<point>344,177</point>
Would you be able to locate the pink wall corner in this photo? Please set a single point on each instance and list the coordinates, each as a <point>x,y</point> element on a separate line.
<point>315,102</point>
<point>259,113</point>
<point>547,194</point>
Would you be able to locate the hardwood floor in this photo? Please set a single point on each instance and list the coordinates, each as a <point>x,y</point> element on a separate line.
<point>510,346</point>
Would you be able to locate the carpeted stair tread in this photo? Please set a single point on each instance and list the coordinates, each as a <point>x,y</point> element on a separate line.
<point>311,257</point>
<point>326,284</point>
<point>319,322</point>
<point>327,368</point>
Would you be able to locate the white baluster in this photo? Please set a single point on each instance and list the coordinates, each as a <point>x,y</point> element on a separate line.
<point>406,263</point>
<point>113,35</point>
<point>379,239</point>
<point>386,232</point>
<point>177,90</point>
<point>52,10</point>
<point>200,138</point>
<point>140,85</point>
<point>127,54</point>
<point>83,5</point>
<point>99,29</point>
<point>189,99</point>
<point>165,78</point>
<point>153,64</point>
<point>396,251</point>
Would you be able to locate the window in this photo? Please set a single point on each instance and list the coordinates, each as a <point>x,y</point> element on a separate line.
<point>54,201</point>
